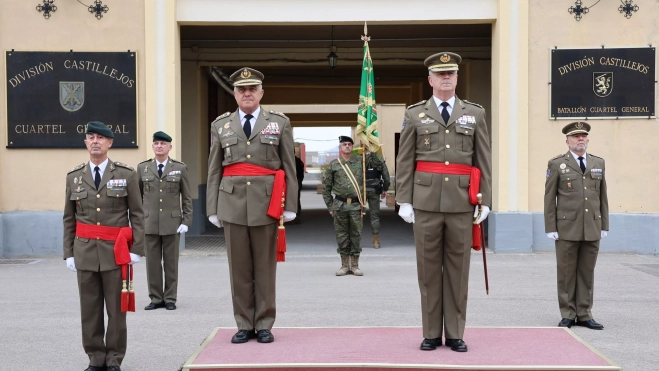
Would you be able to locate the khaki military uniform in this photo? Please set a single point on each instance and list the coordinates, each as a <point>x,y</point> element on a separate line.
<point>443,214</point>
<point>241,204</point>
<point>577,207</point>
<point>167,205</point>
<point>99,278</point>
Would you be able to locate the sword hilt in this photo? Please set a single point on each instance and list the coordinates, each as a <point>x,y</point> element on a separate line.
<point>479,197</point>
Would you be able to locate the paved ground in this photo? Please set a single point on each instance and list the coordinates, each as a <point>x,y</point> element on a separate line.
<point>40,325</point>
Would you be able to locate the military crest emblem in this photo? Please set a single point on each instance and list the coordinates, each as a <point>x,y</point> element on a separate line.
<point>71,95</point>
<point>445,58</point>
<point>602,83</point>
<point>245,74</point>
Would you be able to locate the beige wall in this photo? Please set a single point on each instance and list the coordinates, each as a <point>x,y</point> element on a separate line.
<point>632,169</point>
<point>70,27</point>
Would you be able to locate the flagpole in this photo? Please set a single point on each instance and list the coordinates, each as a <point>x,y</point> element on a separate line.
<point>363,147</point>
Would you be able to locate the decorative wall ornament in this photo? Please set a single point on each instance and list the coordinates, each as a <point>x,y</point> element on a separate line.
<point>628,8</point>
<point>578,10</point>
<point>97,8</point>
<point>47,7</point>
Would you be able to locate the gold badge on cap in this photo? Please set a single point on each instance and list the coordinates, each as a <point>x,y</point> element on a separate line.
<point>422,114</point>
<point>445,58</point>
<point>562,166</point>
<point>579,125</point>
<point>245,74</point>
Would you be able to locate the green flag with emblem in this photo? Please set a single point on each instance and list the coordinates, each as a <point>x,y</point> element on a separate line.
<point>367,114</point>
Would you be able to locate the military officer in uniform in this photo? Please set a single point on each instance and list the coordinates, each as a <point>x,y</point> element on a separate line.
<point>344,178</point>
<point>444,149</point>
<point>249,146</point>
<point>167,213</point>
<point>377,185</point>
<point>102,198</point>
<point>576,218</point>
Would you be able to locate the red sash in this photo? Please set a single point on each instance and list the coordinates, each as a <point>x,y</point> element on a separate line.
<point>276,207</point>
<point>123,240</point>
<point>474,186</point>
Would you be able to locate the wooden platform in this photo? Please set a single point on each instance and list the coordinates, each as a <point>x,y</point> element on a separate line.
<point>397,349</point>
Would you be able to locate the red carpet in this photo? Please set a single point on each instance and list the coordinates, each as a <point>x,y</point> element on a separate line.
<point>397,348</point>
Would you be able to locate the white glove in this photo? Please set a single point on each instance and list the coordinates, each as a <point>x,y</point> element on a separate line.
<point>182,229</point>
<point>603,234</point>
<point>484,213</point>
<point>134,258</point>
<point>289,215</point>
<point>71,264</point>
<point>216,222</point>
<point>553,236</point>
<point>406,212</point>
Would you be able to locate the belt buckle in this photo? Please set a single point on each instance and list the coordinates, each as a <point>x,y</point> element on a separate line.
<point>349,200</point>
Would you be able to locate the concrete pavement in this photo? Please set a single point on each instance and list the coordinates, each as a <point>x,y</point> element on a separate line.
<point>40,323</point>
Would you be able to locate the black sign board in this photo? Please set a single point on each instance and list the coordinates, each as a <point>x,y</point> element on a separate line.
<point>603,83</point>
<point>51,96</point>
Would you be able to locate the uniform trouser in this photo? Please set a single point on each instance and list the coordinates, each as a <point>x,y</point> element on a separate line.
<point>97,289</point>
<point>253,271</point>
<point>374,211</point>
<point>348,228</point>
<point>575,263</point>
<point>163,249</point>
<point>443,253</point>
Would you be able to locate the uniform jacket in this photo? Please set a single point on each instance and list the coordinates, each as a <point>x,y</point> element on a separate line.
<point>375,162</point>
<point>336,181</point>
<point>108,206</point>
<point>426,137</point>
<point>576,203</point>
<point>245,200</point>
<point>163,198</point>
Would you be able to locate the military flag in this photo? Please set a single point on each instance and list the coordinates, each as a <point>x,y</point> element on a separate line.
<point>367,114</point>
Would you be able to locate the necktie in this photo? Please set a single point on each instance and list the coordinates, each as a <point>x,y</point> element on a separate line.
<point>247,126</point>
<point>97,177</point>
<point>445,114</point>
<point>160,170</point>
<point>581,164</point>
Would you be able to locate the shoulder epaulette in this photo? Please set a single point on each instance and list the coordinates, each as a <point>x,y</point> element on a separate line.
<point>77,168</point>
<point>177,161</point>
<point>595,155</point>
<point>472,103</point>
<point>416,104</point>
<point>149,160</point>
<point>558,156</point>
<point>225,114</point>
<point>121,164</point>
<point>279,114</point>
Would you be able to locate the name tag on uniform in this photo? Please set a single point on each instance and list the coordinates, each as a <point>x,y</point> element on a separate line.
<point>116,183</point>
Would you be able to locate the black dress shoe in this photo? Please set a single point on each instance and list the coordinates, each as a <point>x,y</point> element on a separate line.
<point>170,306</point>
<point>242,336</point>
<point>431,344</point>
<point>264,336</point>
<point>95,368</point>
<point>114,368</point>
<point>457,345</point>
<point>566,322</point>
<point>153,306</point>
<point>591,324</point>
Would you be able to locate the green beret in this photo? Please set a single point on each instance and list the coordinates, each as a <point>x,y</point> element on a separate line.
<point>576,128</point>
<point>344,138</point>
<point>246,76</point>
<point>99,128</point>
<point>161,135</point>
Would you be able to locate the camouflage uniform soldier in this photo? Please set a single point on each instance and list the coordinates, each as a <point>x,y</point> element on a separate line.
<point>377,185</point>
<point>343,177</point>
